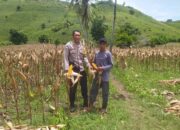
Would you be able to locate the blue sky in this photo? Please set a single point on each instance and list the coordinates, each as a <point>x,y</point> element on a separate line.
<point>158,9</point>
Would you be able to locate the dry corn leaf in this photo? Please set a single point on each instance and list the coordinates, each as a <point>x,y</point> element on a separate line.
<point>1,106</point>
<point>60,126</point>
<point>20,55</point>
<point>84,51</point>
<point>9,124</point>
<point>22,76</point>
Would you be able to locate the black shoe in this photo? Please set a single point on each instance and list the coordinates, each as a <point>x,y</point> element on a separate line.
<point>72,109</point>
<point>85,109</point>
<point>103,111</point>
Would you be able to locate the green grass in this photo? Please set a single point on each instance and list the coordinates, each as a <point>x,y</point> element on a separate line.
<point>143,111</point>
<point>175,24</point>
<point>149,107</point>
<point>55,14</point>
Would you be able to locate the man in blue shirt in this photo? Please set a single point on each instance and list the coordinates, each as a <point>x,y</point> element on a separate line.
<point>103,60</point>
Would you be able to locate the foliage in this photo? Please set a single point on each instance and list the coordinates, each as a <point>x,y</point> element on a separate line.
<point>169,20</point>
<point>159,40</point>
<point>43,26</point>
<point>57,42</point>
<point>131,11</point>
<point>125,40</point>
<point>33,13</point>
<point>17,37</point>
<point>18,8</point>
<point>43,39</point>
<point>98,28</point>
<point>178,40</point>
<point>127,34</point>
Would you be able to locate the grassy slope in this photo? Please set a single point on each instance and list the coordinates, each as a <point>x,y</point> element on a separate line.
<point>148,26</point>
<point>54,14</point>
<point>175,24</point>
<point>31,16</point>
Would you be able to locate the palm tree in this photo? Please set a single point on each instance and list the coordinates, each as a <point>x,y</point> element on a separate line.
<point>82,9</point>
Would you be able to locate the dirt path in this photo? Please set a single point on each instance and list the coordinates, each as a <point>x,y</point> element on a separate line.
<point>120,88</point>
<point>130,103</point>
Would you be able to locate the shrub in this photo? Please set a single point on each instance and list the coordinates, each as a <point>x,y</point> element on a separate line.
<point>57,42</point>
<point>98,28</point>
<point>63,33</point>
<point>131,11</point>
<point>43,39</point>
<point>127,35</point>
<point>18,8</point>
<point>17,37</point>
<point>43,26</point>
<point>178,39</point>
<point>159,40</point>
<point>56,28</point>
<point>125,40</point>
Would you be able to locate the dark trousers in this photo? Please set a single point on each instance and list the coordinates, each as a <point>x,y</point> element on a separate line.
<point>83,83</point>
<point>105,92</point>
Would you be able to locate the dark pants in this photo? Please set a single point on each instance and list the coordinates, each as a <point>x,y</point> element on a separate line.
<point>83,83</point>
<point>105,92</point>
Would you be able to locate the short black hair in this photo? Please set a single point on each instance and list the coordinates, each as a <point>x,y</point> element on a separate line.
<point>73,32</point>
<point>102,40</point>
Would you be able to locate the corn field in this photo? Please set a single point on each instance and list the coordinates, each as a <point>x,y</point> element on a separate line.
<point>155,59</point>
<point>26,73</point>
<point>31,76</point>
<point>30,80</point>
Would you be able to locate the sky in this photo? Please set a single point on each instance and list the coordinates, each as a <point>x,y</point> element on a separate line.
<point>158,9</point>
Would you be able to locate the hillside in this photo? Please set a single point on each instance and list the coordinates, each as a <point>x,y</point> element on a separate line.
<point>55,19</point>
<point>175,24</point>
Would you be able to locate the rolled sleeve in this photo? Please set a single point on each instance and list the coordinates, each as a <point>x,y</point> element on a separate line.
<point>66,55</point>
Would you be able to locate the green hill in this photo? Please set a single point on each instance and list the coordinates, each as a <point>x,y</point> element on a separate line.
<point>175,24</point>
<point>55,19</point>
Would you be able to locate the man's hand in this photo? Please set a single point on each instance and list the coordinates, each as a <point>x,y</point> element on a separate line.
<point>100,69</point>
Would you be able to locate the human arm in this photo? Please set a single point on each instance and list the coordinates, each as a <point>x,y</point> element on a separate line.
<point>66,59</point>
<point>109,63</point>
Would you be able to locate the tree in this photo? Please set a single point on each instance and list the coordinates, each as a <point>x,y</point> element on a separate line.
<point>43,39</point>
<point>17,37</point>
<point>98,28</point>
<point>81,8</point>
<point>127,34</point>
<point>125,40</point>
<point>129,29</point>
